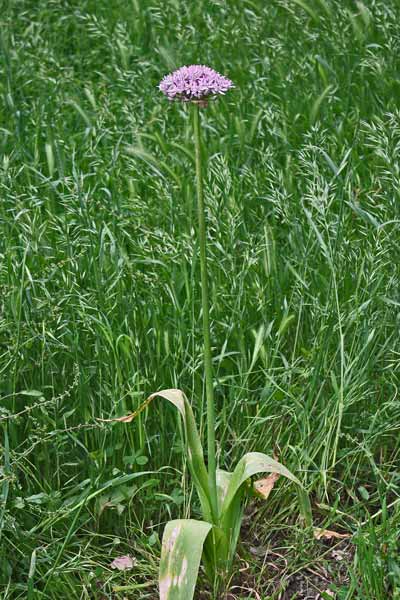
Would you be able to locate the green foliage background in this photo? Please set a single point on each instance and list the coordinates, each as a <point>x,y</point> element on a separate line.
<point>99,272</point>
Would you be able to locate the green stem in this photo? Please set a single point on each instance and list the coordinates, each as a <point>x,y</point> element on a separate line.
<point>212,464</point>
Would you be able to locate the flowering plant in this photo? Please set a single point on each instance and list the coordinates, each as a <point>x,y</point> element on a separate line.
<point>194,83</point>
<point>221,493</point>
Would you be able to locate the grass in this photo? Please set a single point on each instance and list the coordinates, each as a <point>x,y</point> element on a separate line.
<point>99,278</point>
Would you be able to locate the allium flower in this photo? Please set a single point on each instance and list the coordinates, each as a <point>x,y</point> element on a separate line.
<point>194,83</point>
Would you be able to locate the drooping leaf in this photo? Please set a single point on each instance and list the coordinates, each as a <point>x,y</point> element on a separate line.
<point>194,448</point>
<point>193,444</point>
<point>182,547</point>
<point>231,489</point>
<point>249,465</point>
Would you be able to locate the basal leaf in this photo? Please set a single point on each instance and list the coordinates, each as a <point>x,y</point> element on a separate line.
<point>220,547</point>
<point>193,444</point>
<point>194,448</point>
<point>250,464</point>
<point>182,547</point>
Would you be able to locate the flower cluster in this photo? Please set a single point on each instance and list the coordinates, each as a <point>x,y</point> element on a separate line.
<point>194,83</point>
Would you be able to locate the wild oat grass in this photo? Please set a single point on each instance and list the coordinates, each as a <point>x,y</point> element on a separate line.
<point>99,276</point>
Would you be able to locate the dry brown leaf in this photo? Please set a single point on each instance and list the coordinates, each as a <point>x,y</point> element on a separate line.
<point>263,487</point>
<point>129,418</point>
<point>125,419</point>
<point>326,534</point>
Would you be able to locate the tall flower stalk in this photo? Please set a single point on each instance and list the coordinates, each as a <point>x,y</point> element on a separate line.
<point>221,493</point>
<point>201,216</point>
<point>196,84</point>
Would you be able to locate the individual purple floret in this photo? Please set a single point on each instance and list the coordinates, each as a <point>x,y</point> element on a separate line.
<point>194,83</point>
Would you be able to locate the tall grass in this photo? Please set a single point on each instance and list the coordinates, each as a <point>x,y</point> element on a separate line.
<point>99,267</point>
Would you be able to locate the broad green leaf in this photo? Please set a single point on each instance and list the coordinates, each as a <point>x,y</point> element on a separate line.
<point>249,465</point>
<point>194,448</point>
<point>182,547</point>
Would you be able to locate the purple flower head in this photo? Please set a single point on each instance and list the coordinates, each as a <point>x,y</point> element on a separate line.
<point>195,83</point>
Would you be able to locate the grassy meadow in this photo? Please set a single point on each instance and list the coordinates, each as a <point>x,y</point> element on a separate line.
<point>100,293</point>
